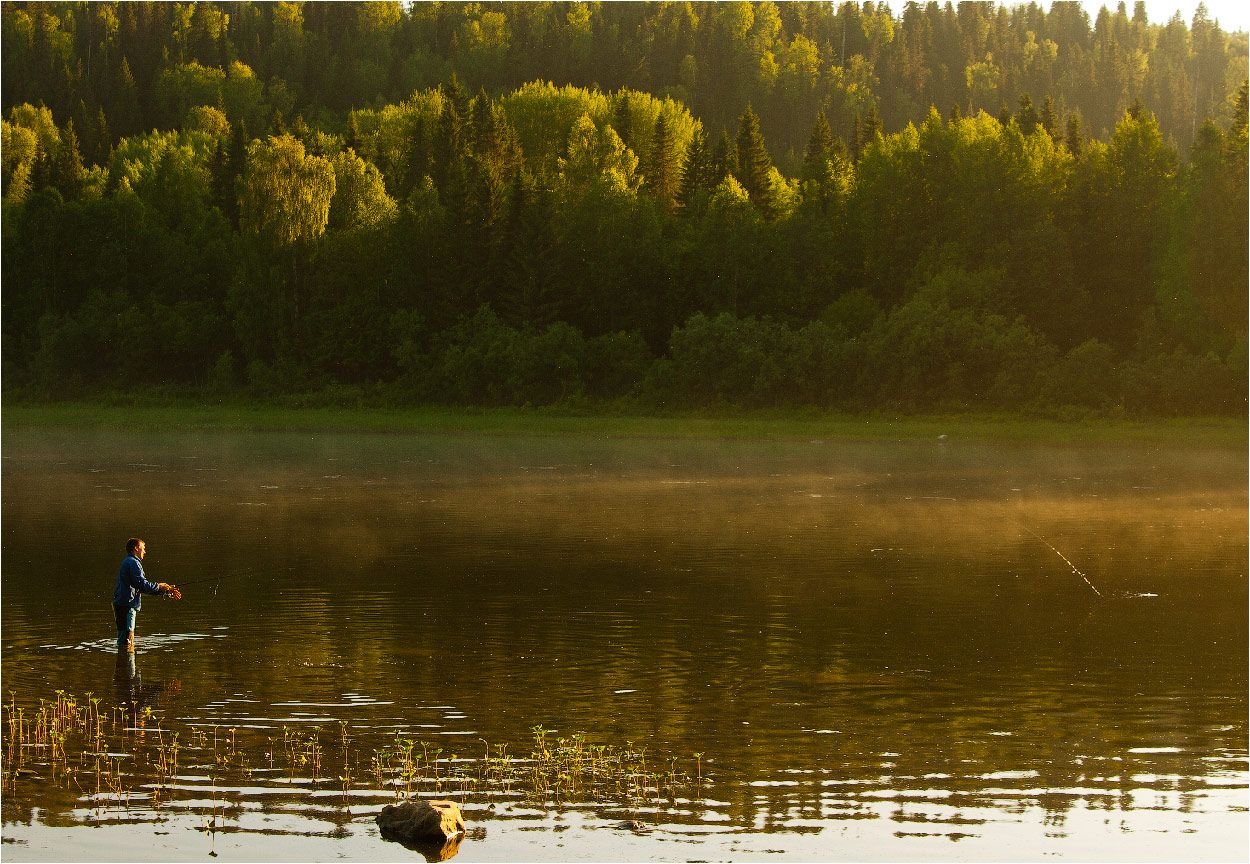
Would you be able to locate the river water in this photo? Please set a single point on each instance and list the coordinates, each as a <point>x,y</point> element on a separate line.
<point>891,650</point>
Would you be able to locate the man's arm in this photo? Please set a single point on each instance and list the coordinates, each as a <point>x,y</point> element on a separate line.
<point>140,581</point>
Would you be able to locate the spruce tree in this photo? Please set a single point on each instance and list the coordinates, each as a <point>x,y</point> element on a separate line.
<point>125,97</point>
<point>754,164</point>
<point>1047,116</point>
<point>1241,113</point>
<point>694,172</point>
<point>447,138</point>
<point>85,120</point>
<point>41,173</point>
<point>222,176</point>
<point>481,124</point>
<point>454,92</point>
<point>416,158</point>
<point>870,129</point>
<point>67,169</point>
<point>228,169</point>
<point>621,121</point>
<point>820,142</point>
<point>723,160</point>
<point>820,146</point>
<point>661,179</point>
<point>1075,138</point>
<point>352,140</point>
<point>1026,116</point>
<point>103,139</point>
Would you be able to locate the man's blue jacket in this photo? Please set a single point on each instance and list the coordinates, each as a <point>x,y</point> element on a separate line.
<point>132,584</point>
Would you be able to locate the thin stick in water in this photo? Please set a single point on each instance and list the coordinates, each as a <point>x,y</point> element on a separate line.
<point>1075,569</point>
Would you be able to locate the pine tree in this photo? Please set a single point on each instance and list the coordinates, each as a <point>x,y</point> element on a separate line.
<point>84,120</point>
<point>870,128</point>
<point>754,164</point>
<point>41,173</point>
<point>661,179</point>
<point>723,160</point>
<point>352,141</point>
<point>299,128</point>
<point>1241,114</point>
<point>222,179</point>
<point>820,143</point>
<point>417,158</point>
<point>1026,116</point>
<point>67,171</point>
<point>103,139</point>
<point>125,97</point>
<point>694,172</point>
<point>454,92</point>
<point>1075,138</point>
<point>524,248</point>
<point>1047,116</point>
<point>621,121</point>
<point>226,174</point>
<point>447,136</point>
<point>481,124</point>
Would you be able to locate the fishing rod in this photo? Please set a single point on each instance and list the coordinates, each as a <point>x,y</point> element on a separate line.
<point>1075,569</point>
<point>210,579</point>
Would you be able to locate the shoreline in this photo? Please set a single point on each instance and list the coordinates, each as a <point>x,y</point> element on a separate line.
<point>554,422</point>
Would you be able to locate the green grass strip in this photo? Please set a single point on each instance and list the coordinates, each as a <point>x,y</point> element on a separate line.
<point>781,424</point>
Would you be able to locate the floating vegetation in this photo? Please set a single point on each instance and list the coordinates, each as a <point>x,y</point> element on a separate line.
<point>113,758</point>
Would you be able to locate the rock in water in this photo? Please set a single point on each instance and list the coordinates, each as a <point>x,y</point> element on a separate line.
<point>420,823</point>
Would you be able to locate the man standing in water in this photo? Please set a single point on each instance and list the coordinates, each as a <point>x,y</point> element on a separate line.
<point>132,584</point>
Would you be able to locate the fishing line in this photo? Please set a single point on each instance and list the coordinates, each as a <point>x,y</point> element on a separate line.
<point>212,579</point>
<point>1075,569</point>
<point>216,580</point>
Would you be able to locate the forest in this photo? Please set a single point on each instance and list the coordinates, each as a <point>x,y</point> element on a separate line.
<point>665,205</point>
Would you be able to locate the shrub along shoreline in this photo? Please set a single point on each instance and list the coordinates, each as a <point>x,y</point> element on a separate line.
<point>924,357</point>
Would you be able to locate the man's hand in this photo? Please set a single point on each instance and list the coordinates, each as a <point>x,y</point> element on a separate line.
<point>170,591</point>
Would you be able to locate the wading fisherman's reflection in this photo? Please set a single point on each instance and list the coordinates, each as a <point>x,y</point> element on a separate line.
<point>129,689</point>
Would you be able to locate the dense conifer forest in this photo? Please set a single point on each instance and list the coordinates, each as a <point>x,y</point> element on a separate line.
<point>947,206</point>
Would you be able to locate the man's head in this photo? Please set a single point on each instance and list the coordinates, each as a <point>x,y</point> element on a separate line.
<point>136,547</point>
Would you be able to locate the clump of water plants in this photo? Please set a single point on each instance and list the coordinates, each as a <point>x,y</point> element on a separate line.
<point>71,741</point>
<point>558,769</point>
<point>111,757</point>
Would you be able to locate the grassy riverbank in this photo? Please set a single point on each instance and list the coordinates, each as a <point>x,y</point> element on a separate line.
<point>551,422</point>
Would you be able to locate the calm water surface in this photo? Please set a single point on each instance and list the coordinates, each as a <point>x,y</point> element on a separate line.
<point>878,647</point>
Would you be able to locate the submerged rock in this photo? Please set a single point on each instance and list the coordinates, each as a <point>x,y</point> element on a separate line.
<point>635,826</point>
<point>427,826</point>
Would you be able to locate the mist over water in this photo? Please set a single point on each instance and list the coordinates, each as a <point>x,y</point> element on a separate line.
<point>881,649</point>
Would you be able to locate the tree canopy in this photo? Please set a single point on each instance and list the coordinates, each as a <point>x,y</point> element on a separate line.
<point>686,204</point>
